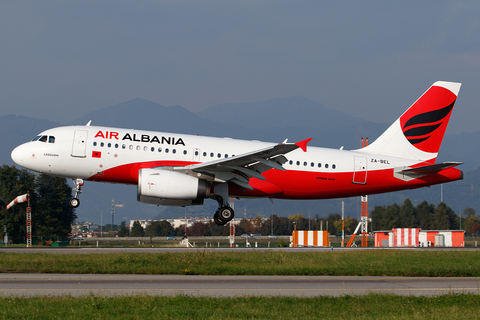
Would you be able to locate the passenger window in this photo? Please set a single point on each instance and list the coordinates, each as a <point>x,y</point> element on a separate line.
<point>130,147</point>
<point>211,154</point>
<point>159,149</point>
<point>204,154</point>
<point>145,148</point>
<point>116,145</point>
<point>326,165</point>
<point>219,155</point>
<point>109,145</point>
<point>319,165</point>
<point>138,148</point>
<point>123,146</point>
<point>185,152</point>
<point>166,150</point>
<point>152,149</point>
<point>196,153</point>
<point>334,166</point>
<point>94,143</point>
<point>312,164</point>
<point>298,163</point>
<point>43,139</point>
<point>226,156</point>
<point>51,139</point>
<point>305,163</point>
<point>174,151</point>
<point>290,162</point>
<point>101,144</point>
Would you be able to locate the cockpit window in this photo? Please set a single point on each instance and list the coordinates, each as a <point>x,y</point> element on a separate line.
<point>43,139</point>
<point>51,139</point>
<point>36,138</point>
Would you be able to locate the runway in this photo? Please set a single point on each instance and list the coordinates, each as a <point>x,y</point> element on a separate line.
<point>90,250</point>
<point>16,284</point>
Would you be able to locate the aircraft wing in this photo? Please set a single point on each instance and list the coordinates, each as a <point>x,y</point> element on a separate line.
<point>240,168</point>
<point>433,168</point>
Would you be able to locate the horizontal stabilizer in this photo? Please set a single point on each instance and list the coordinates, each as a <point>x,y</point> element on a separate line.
<point>433,168</point>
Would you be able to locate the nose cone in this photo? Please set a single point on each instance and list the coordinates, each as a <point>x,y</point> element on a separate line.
<point>18,155</point>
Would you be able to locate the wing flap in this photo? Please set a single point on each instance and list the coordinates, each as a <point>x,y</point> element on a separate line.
<point>241,168</point>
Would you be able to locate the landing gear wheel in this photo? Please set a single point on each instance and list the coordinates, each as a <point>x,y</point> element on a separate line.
<point>225,214</point>
<point>74,202</point>
<point>217,220</point>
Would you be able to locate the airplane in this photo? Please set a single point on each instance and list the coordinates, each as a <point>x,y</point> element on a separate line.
<point>173,169</point>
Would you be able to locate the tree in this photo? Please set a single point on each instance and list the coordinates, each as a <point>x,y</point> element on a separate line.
<point>406,215</point>
<point>468,212</point>
<point>137,230</point>
<point>110,227</point>
<point>424,212</point>
<point>123,231</point>
<point>300,221</point>
<point>199,229</point>
<point>444,218</point>
<point>216,230</point>
<point>15,182</point>
<point>53,215</point>
<point>472,225</point>
<point>159,229</point>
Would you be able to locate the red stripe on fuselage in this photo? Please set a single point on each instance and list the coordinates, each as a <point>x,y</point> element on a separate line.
<point>291,184</point>
<point>128,173</point>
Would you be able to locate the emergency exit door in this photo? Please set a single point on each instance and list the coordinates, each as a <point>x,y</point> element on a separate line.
<point>360,170</point>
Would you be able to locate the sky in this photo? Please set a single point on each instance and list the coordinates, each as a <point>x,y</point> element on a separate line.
<point>372,59</point>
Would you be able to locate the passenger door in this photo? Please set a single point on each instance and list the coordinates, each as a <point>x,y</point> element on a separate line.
<point>79,144</point>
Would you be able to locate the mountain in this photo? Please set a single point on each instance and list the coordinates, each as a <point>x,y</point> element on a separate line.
<point>463,147</point>
<point>280,113</point>
<point>146,115</point>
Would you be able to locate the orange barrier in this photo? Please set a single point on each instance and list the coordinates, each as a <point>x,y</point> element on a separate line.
<point>302,238</point>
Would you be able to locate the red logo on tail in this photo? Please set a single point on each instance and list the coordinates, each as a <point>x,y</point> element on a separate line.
<point>424,123</point>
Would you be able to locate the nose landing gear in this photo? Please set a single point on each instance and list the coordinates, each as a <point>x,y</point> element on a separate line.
<point>75,202</point>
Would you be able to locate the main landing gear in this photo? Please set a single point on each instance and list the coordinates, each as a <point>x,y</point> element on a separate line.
<point>224,213</point>
<point>75,202</point>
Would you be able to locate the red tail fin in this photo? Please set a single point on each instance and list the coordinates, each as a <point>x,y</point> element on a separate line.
<point>424,124</point>
<point>418,133</point>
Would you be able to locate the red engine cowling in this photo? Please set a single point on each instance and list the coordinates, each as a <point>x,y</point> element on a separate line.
<point>170,188</point>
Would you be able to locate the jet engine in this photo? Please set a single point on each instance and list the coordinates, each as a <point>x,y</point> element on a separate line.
<point>170,188</point>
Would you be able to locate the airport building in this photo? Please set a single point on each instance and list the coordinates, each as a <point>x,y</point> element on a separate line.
<point>415,237</point>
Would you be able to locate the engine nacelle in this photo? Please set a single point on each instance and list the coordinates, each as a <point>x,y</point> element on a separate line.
<point>170,188</point>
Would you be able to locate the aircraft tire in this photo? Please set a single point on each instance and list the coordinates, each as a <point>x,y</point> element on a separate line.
<point>226,214</point>
<point>74,202</point>
<point>217,220</point>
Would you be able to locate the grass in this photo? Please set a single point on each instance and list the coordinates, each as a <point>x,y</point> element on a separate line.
<point>372,306</point>
<point>208,262</point>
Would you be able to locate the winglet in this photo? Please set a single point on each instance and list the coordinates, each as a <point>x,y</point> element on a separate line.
<point>303,144</point>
